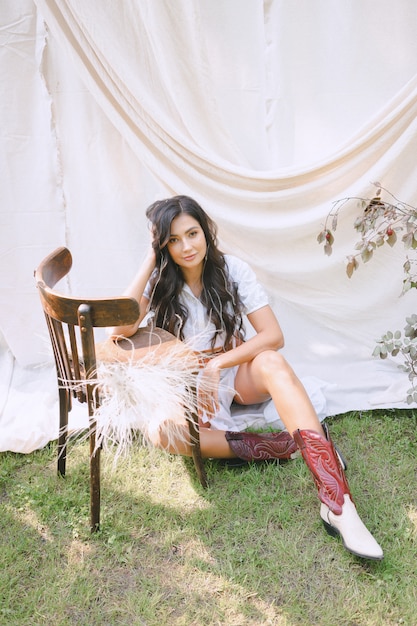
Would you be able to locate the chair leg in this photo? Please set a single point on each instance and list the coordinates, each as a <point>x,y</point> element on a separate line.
<point>63,431</point>
<point>94,482</point>
<point>194,430</point>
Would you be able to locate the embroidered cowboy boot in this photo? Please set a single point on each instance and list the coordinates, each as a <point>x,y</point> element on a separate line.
<point>262,446</point>
<point>338,512</point>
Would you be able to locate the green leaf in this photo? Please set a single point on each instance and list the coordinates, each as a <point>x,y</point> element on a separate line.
<point>351,266</point>
<point>406,285</point>
<point>366,255</point>
<point>408,240</point>
<point>377,351</point>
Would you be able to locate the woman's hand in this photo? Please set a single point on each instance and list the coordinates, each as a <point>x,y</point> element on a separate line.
<point>208,390</point>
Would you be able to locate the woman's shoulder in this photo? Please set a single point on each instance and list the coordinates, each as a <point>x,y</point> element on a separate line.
<point>251,292</point>
<point>236,265</point>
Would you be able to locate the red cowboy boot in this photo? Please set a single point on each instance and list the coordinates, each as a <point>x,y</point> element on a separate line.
<point>262,446</point>
<point>337,510</point>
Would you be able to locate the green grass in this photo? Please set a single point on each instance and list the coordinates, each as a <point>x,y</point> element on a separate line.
<point>249,550</point>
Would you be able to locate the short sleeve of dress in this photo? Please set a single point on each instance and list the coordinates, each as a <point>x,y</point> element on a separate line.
<point>251,292</point>
<point>147,291</point>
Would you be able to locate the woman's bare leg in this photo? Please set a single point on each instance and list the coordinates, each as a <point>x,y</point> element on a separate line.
<point>269,375</point>
<point>213,443</point>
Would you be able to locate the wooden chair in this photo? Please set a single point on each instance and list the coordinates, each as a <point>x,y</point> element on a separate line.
<point>71,322</point>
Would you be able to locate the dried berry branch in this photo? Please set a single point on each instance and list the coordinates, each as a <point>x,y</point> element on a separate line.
<point>381,222</point>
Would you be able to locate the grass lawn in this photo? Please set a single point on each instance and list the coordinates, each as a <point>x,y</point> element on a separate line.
<point>249,550</point>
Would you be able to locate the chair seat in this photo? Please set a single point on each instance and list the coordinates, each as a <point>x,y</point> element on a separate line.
<point>137,346</point>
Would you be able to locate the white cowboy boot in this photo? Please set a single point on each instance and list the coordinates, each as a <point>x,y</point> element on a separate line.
<point>337,510</point>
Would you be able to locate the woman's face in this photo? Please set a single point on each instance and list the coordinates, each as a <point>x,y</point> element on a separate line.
<point>187,243</point>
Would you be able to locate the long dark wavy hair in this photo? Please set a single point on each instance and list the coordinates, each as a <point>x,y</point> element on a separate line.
<point>219,294</point>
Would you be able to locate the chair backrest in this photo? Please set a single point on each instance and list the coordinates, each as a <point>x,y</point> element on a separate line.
<point>74,352</point>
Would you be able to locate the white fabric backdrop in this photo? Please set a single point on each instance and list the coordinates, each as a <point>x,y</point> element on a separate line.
<point>266,112</point>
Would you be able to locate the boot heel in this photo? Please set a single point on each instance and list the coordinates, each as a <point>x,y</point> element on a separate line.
<point>331,530</point>
<point>341,458</point>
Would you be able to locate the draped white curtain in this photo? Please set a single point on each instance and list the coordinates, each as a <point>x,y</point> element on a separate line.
<point>266,112</point>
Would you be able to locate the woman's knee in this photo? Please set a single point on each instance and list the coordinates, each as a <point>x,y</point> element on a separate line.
<point>271,364</point>
<point>172,438</point>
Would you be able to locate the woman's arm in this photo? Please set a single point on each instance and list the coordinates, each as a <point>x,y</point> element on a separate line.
<point>135,290</point>
<point>268,336</point>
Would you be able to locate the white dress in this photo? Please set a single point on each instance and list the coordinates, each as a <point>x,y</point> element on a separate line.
<point>198,331</point>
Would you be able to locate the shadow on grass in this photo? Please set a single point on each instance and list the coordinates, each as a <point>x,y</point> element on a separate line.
<point>249,550</point>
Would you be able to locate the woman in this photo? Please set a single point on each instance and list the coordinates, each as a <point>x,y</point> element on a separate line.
<point>200,295</point>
